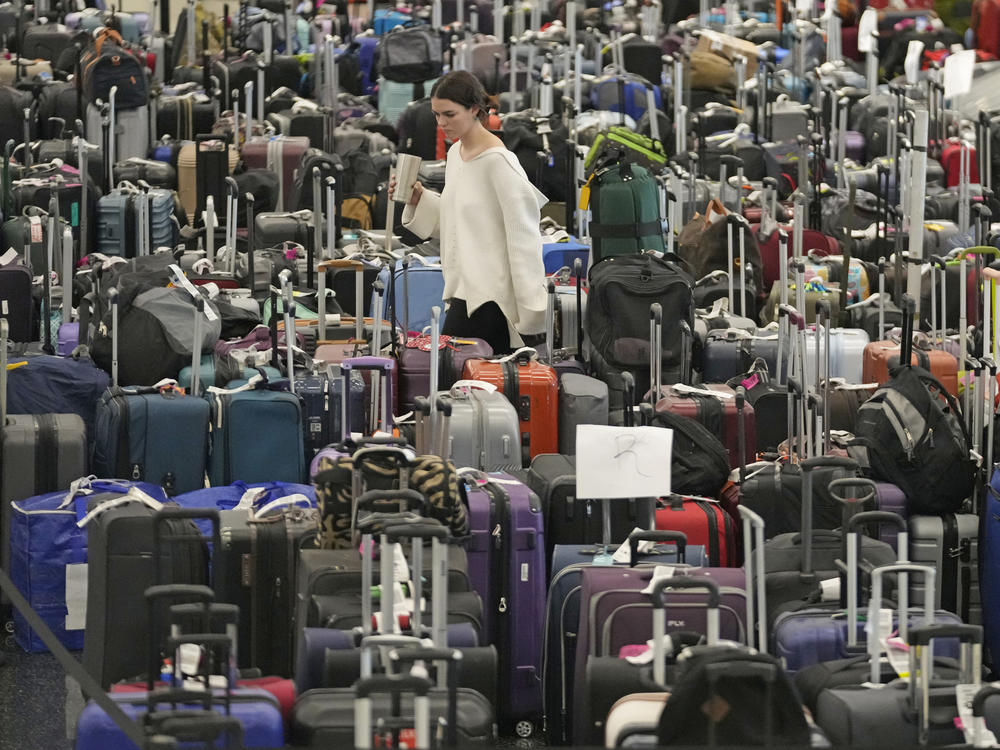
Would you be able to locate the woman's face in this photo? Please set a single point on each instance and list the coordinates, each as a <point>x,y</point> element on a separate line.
<point>453,118</point>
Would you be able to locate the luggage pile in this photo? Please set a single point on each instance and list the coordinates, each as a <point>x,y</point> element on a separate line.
<point>245,473</point>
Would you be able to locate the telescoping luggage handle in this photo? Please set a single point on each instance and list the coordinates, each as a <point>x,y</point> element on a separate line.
<point>808,466</point>
<point>660,616</point>
<point>396,686</point>
<point>452,659</point>
<point>971,638</point>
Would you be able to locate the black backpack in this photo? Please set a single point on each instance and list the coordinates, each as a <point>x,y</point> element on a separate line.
<point>911,433</point>
<point>109,62</point>
<point>751,702</point>
<point>700,463</point>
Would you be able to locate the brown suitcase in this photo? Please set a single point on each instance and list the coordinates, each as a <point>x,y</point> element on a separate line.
<point>282,156</point>
<point>533,388</point>
<point>882,356</point>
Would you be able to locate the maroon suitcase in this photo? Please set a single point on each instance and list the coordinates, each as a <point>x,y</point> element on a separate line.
<point>281,155</point>
<point>415,365</point>
<point>718,414</point>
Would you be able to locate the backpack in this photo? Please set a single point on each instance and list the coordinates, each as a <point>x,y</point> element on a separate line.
<point>748,701</point>
<point>109,62</point>
<point>699,461</point>
<point>410,54</point>
<point>911,433</point>
<point>622,289</point>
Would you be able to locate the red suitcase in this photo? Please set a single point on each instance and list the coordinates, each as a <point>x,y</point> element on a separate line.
<point>812,240</point>
<point>533,388</point>
<point>718,413</point>
<point>281,155</point>
<point>704,522</point>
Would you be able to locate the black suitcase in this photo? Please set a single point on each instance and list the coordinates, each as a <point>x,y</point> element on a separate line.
<point>184,117</point>
<point>255,569</point>
<point>313,125</point>
<point>121,566</point>
<point>158,174</point>
<point>44,42</point>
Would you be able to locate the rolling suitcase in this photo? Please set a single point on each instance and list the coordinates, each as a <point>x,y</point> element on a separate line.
<point>485,429</point>
<point>157,434</point>
<point>281,155</point>
<point>533,389</point>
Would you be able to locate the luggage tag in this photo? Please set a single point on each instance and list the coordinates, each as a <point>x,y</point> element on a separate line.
<point>976,736</point>
<point>624,553</point>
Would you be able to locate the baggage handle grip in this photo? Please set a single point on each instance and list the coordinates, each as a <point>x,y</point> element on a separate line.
<point>875,516</point>
<point>766,672</point>
<point>372,498</point>
<point>686,582</point>
<point>203,594</point>
<point>679,538</point>
<point>426,530</point>
<point>979,702</point>
<point>836,462</point>
<point>979,250</point>
<point>395,685</point>
<point>228,613</point>
<point>389,451</point>
<point>195,725</point>
<point>836,484</point>
<point>382,440</point>
<point>181,695</point>
<point>923,635</point>
<point>366,363</point>
<point>421,405</point>
<point>211,640</point>
<point>410,655</point>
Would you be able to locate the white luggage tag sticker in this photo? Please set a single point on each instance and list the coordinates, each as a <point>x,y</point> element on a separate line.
<point>682,388</point>
<point>179,279</point>
<point>8,257</point>
<point>624,553</point>
<point>963,700</point>
<point>660,573</point>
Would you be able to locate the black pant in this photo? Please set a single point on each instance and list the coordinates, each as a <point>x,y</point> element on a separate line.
<point>488,323</point>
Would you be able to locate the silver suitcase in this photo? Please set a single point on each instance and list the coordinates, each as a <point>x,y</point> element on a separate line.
<point>485,431</point>
<point>950,544</point>
<point>582,400</point>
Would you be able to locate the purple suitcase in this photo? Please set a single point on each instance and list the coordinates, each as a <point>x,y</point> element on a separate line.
<point>854,143</point>
<point>889,497</point>
<point>69,337</point>
<point>479,550</point>
<point>615,613</point>
<point>515,597</point>
<point>415,366</point>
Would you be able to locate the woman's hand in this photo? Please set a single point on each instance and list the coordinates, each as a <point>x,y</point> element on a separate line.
<point>418,190</point>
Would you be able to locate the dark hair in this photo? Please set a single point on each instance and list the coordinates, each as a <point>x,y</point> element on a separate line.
<point>463,88</point>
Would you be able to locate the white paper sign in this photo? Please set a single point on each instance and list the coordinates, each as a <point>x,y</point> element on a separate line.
<point>867,26</point>
<point>622,462</point>
<point>958,73</point>
<point>912,64</point>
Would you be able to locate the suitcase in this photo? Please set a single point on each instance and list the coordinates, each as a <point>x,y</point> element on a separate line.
<point>485,432</point>
<point>563,253</point>
<point>582,400</point>
<point>153,433</point>
<point>705,523</point>
<point>415,286</point>
<point>255,568</point>
<point>881,356</point>
<point>157,173</point>
<point>949,543</point>
<point>563,614</point>
<point>131,129</point>
<point>532,388</point>
<point>415,365</point>
<point>281,155</point>
<point>17,306</point>
<point>572,521</point>
<point>714,406</point>
<point>732,352</point>
<point>184,117</point>
<point>859,716</point>
<point>198,170</point>
<point>518,597</point>
<point>615,613</point>
<point>121,546</point>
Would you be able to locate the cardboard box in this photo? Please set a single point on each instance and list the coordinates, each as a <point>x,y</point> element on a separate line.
<point>729,47</point>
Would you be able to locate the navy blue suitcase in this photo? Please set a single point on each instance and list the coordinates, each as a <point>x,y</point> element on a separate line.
<point>321,408</point>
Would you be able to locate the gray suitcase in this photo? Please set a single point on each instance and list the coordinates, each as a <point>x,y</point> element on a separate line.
<point>949,543</point>
<point>132,127</point>
<point>41,453</point>
<point>582,400</point>
<point>485,430</point>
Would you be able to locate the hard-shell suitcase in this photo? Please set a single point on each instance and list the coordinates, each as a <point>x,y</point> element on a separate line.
<point>881,356</point>
<point>194,163</point>
<point>949,543</point>
<point>533,388</point>
<point>485,429</point>
<point>705,523</point>
<point>281,155</point>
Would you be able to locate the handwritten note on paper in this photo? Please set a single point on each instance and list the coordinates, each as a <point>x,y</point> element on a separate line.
<point>622,462</point>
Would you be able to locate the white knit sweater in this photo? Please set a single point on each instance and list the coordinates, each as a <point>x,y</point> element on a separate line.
<point>491,247</point>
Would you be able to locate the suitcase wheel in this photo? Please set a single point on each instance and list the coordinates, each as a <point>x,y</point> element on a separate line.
<point>524,729</point>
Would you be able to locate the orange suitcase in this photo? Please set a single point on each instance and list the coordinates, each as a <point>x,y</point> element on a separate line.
<point>533,388</point>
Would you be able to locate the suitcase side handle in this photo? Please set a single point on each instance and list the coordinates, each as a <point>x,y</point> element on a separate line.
<point>679,538</point>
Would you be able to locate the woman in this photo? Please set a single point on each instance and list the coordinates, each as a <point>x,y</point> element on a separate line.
<point>487,220</point>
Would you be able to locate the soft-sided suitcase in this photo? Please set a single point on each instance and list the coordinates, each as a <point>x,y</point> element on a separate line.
<point>17,306</point>
<point>257,434</point>
<point>582,400</point>
<point>533,389</point>
<point>415,365</point>
<point>518,603</point>
<point>415,286</point>
<point>121,540</point>
<point>569,520</point>
<point>256,709</point>
<point>255,569</point>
